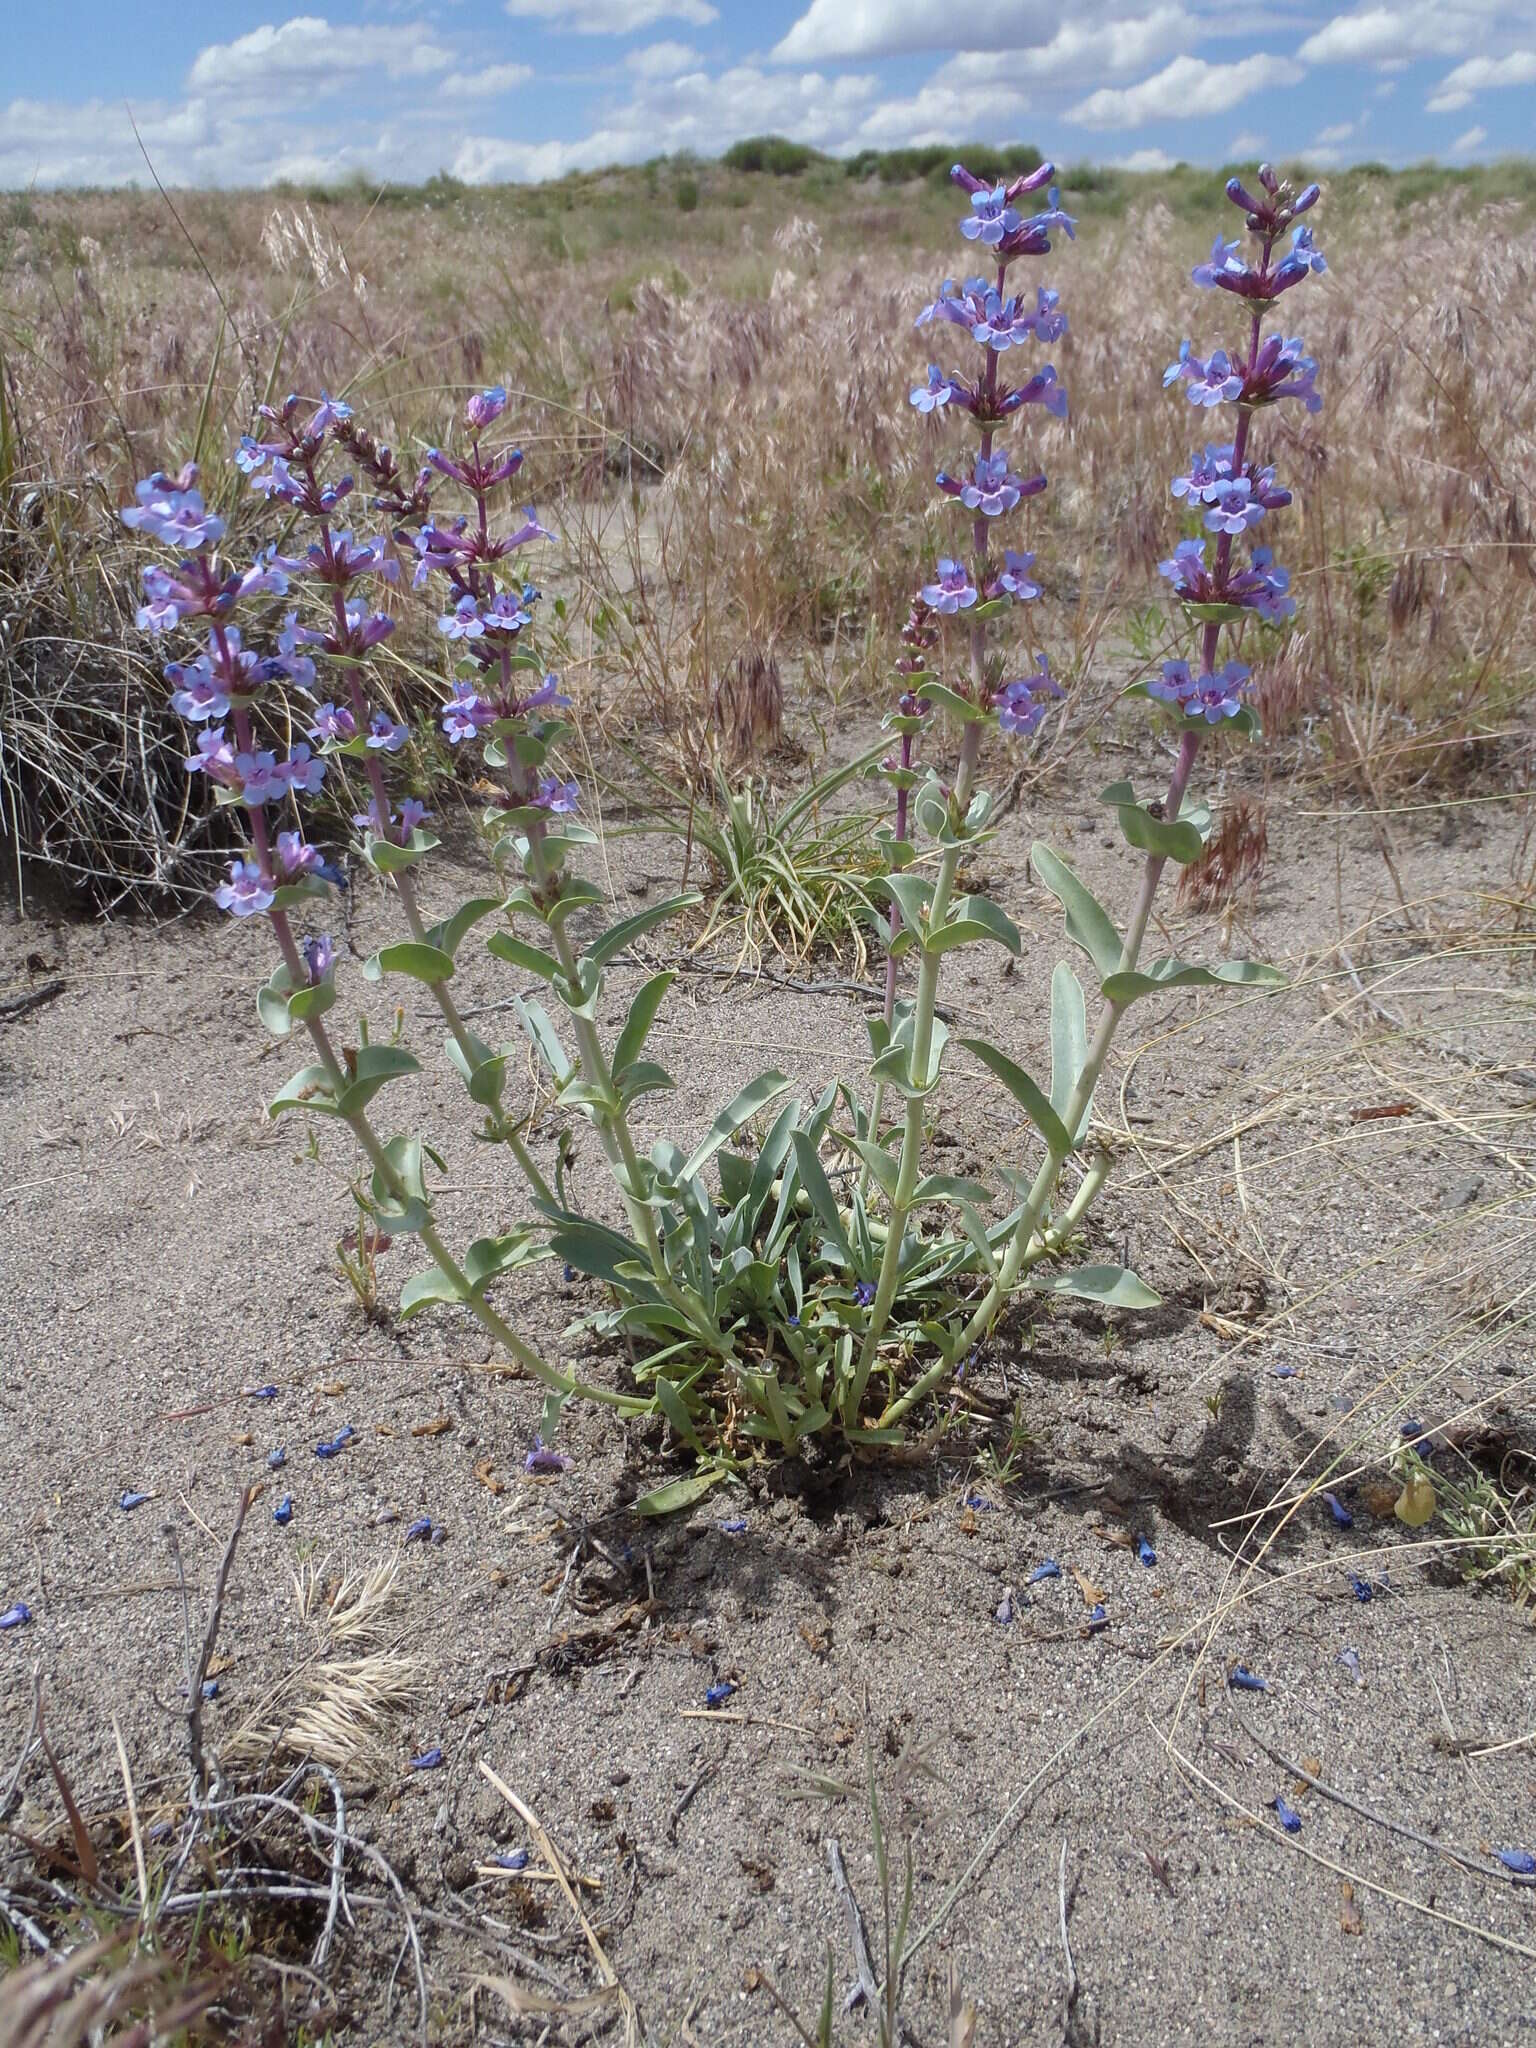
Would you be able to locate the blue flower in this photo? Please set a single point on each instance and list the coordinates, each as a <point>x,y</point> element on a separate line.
<point>1520,1861</point>
<point>952,590</point>
<point>1015,579</point>
<point>329,413</point>
<point>386,734</point>
<point>282,1514</point>
<point>935,393</point>
<point>543,1459</point>
<point>1242,1680</point>
<point>276,1459</point>
<point>1022,704</point>
<point>428,1760</point>
<point>1362,1588</point>
<point>514,1859</point>
<point>1286,1814</point>
<point>130,1501</point>
<point>466,714</point>
<point>1145,1551</point>
<point>717,1695</point>
<point>173,512</point>
<point>990,218</point>
<point>16,1616</point>
<point>734,1526</point>
<point>419,1531</point>
<point>1050,1569</point>
<point>463,622</point>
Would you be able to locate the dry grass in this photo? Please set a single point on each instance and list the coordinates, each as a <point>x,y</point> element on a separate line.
<point>714,405</point>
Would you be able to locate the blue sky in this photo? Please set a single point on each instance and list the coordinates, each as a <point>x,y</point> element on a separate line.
<point>234,93</point>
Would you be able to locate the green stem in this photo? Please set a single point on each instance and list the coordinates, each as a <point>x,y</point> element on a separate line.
<point>1087,1080</point>
<point>613,1127</point>
<point>501,1126</point>
<point>910,1166</point>
<point>437,1251</point>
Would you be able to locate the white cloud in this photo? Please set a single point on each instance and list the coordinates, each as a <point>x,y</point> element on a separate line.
<point>881,28</point>
<point>699,111</point>
<point>663,60</point>
<point>488,84</point>
<point>1325,138</point>
<point>1389,35</point>
<point>939,112</point>
<point>1187,87</point>
<point>610,17</point>
<point>1247,144</point>
<point>1465,144</point>
<point>1481,74</point>
<point>1079,52</point>
<point>308,52</point>
<point>1144,160</point>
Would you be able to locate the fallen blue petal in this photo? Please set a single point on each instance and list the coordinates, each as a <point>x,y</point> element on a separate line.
<point>383,1519</point>
<point>1049,1570</point>
<point>568,1274</point>
<point>1339,1512</point>
<point>259,1393</point>
<point>1287,1815</point>
<point>130,1501</point>
<point>16,1616</point>
<point>734,1527</point>
<point>1005,1608</point>
<point>1242,1680</point>
<point>276,1460</point>
<point>439,1536</point>
<point>1145,1551</point>
<point>1283,1372</point>
<point>282,1514</point>
<point>977,1500</point>
<point>1520,1861</point>
<point>332,1447</point>
<point>1362,1588</point>
<point>428,1760</point>
<point>515,1859</point>
<point>719,1694</point>
<point>1350,1659</point>
<point>1412,1427</point>
<point>1097,1619</point>
<point>419,1530</point>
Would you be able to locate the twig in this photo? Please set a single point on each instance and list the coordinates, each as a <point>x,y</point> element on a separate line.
<point>19,1006</point>
<point>709,1771</point>
<point>26,1743</point>
<point>210,1638</point>
<point>867,1988</point>
<point>1481,1866</point>
<point>133,1821</point>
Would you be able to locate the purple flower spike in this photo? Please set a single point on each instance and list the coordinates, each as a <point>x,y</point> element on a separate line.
<point>245,894</point>
<point>1242,1680</point>
<point>1050,1569</point>
<point>17,1615</point>
<point>486,407</point>
<point>541,1458</point>
<point>1021,705</point>
<point>1286,1814</point>
<point>935,393</point>
<point>1520,1861</point>
<point>717,1695</point>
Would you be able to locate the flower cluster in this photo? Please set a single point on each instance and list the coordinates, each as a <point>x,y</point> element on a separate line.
<point>1234,493</point>
<point>998,320</point>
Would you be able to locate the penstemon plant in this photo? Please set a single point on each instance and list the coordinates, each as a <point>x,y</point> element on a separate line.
<point>796,1273</point>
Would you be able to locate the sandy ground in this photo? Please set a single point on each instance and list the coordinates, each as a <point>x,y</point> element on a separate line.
<point>1324,1278</point>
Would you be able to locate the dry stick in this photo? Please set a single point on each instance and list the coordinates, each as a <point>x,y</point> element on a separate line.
<point>1278,1836</point>
<point>535,1827</point>
<point>26,1743</point>
<point>1479,1866</point>
<point>1073,1987</point>
<point>133,1822</point>
<point>210,1638</point>
<point>867,1987</point>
